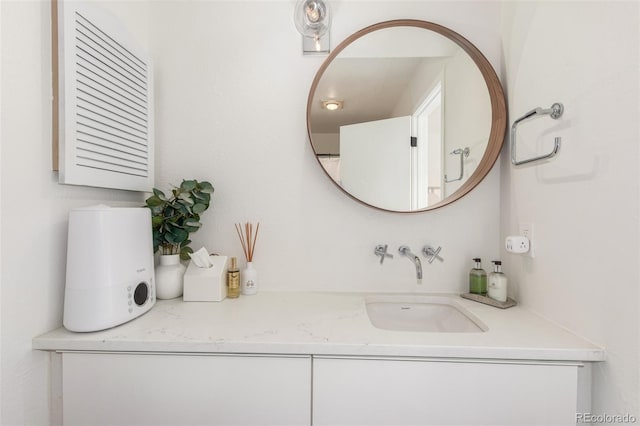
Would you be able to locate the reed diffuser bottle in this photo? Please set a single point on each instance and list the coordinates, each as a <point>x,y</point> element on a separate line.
<point>249,280</point>
<point>249,275</point>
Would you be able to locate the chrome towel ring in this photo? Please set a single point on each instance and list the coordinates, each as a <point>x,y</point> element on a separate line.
<point>555,112</point>
<point>463,153</point>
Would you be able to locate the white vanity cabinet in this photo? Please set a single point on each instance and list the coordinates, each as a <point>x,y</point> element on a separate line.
<point>214,389</point>
<point>184,389</point>
<point>355,391</point>
<point>316,359</point>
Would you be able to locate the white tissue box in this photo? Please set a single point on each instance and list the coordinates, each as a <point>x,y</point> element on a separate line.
<point>206,284</point>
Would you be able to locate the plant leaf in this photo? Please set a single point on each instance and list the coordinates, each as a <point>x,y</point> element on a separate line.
<point>199,208</point>
<point>169,211</point>
<point>154,201</point>
<point>186,198</point>
<point>206,187</point>
<point>156,221</point>
<point>156,211</point>
<point>176,236</point>
<point>159,194</point>
<point>188,185</point>
<point>191,226</point>
<point>184,252</point>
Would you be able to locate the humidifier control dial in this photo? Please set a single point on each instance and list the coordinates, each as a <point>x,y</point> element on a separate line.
<point>141,294</point>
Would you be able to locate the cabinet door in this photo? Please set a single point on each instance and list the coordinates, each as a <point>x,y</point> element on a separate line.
<point>150,389</point>
<point>416,392</point>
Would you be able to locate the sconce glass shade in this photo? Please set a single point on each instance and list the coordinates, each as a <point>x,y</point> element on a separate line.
<point>312,18</point>
<point>313,21</point>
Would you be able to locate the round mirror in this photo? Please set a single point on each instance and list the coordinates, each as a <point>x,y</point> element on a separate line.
<point>406,116</point>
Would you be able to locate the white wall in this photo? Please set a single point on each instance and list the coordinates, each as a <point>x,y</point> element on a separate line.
<point>425,79</point>
<point>584,204</point>
<point>34,206</point>
<point>231,91</point>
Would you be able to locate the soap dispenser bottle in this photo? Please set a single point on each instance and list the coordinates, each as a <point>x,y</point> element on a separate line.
<point>498,283</point>
<point>478,278</point>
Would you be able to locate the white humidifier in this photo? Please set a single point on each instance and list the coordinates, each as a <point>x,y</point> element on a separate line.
<point>109,267</point>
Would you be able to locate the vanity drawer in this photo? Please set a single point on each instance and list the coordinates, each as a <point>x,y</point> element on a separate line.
<point>172,389</point>
<point>353,391</point>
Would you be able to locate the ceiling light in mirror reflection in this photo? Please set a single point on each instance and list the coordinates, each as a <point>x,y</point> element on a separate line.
<point>332,105</point>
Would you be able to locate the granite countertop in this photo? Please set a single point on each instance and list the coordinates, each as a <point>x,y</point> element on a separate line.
<point>291,323</point>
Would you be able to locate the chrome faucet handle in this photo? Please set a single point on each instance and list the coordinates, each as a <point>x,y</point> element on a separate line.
<point>381,250</point>
<point>405,250</point>
<point>432,253</point>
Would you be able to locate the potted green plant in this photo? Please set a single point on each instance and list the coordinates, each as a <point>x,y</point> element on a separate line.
<point>173,218</point>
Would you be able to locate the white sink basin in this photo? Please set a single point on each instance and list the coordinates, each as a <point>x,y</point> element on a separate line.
<point>442,314</point>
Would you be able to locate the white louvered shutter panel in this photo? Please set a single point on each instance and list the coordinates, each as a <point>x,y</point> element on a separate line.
<point>105,102</point>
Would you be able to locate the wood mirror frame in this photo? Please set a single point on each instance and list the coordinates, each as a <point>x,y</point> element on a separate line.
<point>496,96</point>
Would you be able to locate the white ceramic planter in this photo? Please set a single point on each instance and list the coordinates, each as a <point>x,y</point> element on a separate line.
<point>169,277</point>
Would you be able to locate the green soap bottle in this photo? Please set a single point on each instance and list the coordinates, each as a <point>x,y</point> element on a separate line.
<point>478,279</point>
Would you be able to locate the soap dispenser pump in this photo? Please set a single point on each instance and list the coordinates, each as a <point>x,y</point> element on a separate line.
<point>478,278</point>
<point>498,283</point>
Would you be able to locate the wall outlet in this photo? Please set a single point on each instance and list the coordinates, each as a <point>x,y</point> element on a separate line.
<point>517,244</point>
<point>526,230</point>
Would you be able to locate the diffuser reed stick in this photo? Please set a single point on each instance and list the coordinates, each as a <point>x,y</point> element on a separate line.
<point>248,239</point>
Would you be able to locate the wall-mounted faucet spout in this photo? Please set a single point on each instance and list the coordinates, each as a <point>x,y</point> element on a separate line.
<point>406,251</point>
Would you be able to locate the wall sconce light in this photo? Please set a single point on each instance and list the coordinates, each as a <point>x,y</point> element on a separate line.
<point>332,105</point>
<point>313,21</point>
